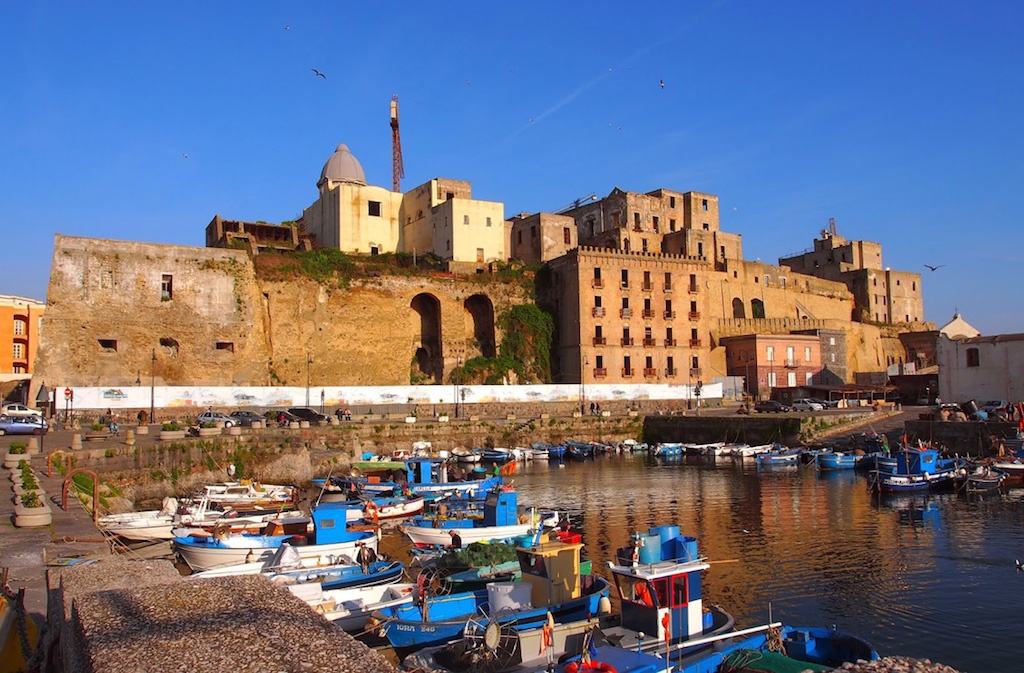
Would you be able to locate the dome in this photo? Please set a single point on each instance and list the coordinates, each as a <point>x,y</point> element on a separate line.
<point>343,167</point>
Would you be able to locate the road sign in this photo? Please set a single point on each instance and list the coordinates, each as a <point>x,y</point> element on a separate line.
<point>68,394</point>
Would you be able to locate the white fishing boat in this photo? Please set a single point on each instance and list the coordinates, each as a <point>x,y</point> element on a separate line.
<point>350,608</point>
<point>249,495</point>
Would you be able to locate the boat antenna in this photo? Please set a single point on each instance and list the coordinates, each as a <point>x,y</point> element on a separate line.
<point>323,488</point>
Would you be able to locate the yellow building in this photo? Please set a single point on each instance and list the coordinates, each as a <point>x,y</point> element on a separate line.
<point>20,318</point>
<point>439,217</point>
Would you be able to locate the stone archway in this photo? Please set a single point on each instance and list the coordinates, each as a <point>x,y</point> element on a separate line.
<point>426,331</point>
<point>738,309</point>
<point>480,313</point>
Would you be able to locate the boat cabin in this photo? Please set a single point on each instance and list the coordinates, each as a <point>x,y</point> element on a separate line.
<point>552,570</point>
<point>329,523</point>
<point>659,585</point>
<point>917,461</point>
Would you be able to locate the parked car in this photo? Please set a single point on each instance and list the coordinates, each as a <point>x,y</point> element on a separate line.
<point>993,405</point>
<point>306,414</point>
<point>770,406</point>
<point>280,417</point>
<point>825,404</point>
<point>216,417</point>
<point>18,410</point>
<point>246,418</point>
<point>23,425</point>
<point>805,404</point>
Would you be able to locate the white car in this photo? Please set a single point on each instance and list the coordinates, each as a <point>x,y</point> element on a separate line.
<point>18,410</point>
<point>804,404</point>
<point>216,417</point>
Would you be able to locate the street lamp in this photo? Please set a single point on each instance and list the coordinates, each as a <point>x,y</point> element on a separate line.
<point>309,361</point>
<point>152,388</point>
<point>583,383</point>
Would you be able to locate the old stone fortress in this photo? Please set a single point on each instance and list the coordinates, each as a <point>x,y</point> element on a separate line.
<point>644,287</point>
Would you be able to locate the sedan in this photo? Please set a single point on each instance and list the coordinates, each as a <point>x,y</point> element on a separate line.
<point>246,418</point>
<point>18,410</point>
<point>804,404</point>
<point>306,414</point>
<point>216,417</point>
<point>22,425</point>
<point>770,406</point>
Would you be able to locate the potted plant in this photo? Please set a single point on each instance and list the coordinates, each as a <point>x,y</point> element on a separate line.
<point>171,431</point>
<point>29,507</point>
<point>97,432</point>
<point>15,453</point>
<point>209,429</point>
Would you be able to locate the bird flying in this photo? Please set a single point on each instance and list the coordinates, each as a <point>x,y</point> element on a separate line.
<point>185,154</point>
<point>661,83</point>
<point>318,73</point>
<point>287,27</point>
<point>933,268</point>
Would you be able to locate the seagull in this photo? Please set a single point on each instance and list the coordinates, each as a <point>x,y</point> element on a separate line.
<point>661,83</point>
<point>933,268</point>
<point>1020,566</point>
<point>318,73</point>
<point>185,154</point>
<point>530,120</point>
<point>287,27</point>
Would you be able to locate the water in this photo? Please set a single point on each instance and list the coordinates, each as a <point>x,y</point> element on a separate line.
<point>927,576</point>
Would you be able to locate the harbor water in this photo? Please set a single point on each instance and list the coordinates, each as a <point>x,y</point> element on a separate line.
<point>927,576</point>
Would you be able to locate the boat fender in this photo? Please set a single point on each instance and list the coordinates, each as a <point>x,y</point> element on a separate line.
<point>604,606</point>
<point>589,667</point>
<point>373,510</point>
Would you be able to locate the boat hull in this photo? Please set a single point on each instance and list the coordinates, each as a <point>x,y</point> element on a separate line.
<point>208,553</point>
<point>423,536</point>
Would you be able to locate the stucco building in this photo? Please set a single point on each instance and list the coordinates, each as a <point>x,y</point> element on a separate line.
<point>774,360</point>
<point>439,217</point>
<point>20,321</point>
<point>981,367</point>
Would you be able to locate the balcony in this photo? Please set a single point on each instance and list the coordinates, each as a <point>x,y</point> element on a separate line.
<point>625,312</point>
<point>624,285</point>
<point>650,373</point>
<point>692,289</point>
<point>600,341</point>
<point>626,341</point>
<point>600,372</point>
<point>695,372</point>
<point>648,312</point>
<point>669,315</point>
<point>694,315</point>
<point>597,283</point>
<point>670,343</point>
<point>627,373</point>
<point>650,342</point>
<point>671,373</point>
<point>790,364</point>
<point>597,311</point>
<point>646,287</point>
<point>667,287</point>
<point>694,343</point>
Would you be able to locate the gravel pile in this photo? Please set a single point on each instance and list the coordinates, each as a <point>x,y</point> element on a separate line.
<point>897,665</point>
<point>137,618</point>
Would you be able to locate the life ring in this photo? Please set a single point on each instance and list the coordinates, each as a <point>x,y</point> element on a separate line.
<point>372,510</point>
<point>589,666</point>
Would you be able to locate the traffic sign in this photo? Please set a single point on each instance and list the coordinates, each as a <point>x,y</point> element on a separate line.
<point>68,394</point>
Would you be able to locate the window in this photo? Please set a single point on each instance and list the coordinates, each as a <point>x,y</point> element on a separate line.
<point>598,333</point>
<point>695,362</point>
<point>519,237</point>
<point>566,235</point>
<point>228,346</point>
<point>108,345</point>
<point>448,245</point>
<point>791,379</point>
<point>19,351</point>
<point>770,353</point>
<point>488,221</point>
<point>373,209</point>
<point>636,219</point>
<point>597,273</point>
<point>672,224</point>
<point>668,280</point>
<point>973,358</point>
<point>671,202</point>
<point>479,255</point>
<point>772,380</point>
<point>625,278</point>
<point>693,307</point>
<point>782,282</point>
<point>597,300</point>
<point>767,280</point>
<point>625,302</point>
<point>166,287</point>
<point>707,227</point>
<point>808,379</point>
<point>703,204</point>
<point>599,362</point>
<point>647,280</point>
<point>627,366</point>
<point>833,358</point>
<point>790,355</point>
<point>374,250</point>
<point>668,335</point>
<point>670,364</point>
<point>533,231</point>
<point>465,219</point>
<point>831,341</point>
<point>668,306</point>
<point>700,249</point>
<point>693,334</point>
<point>643,244</point>
<point>807,353</point>
<point>723,257</point>
<point>654,221</point>
<point>680,595</point>
<point>19,327</point>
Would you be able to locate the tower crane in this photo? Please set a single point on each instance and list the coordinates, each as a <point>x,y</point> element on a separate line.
<point>397,168</point>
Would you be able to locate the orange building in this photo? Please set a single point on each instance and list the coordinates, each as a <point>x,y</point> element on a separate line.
<point>20,318</point>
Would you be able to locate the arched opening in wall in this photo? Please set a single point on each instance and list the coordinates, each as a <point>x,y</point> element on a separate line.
<point>426,328</point>
<point>738,309</point>
<point>756,308</point>
<point>169,346</point>
<point>480,311</point>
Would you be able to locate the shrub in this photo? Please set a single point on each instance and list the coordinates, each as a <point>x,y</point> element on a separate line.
<point>171,426</point>
<point>96,427</point>
<point>31,500</point>
<point>17,448</point>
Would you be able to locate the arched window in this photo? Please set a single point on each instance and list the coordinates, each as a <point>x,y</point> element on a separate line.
<point>738,309</point>
<point>756,308</point>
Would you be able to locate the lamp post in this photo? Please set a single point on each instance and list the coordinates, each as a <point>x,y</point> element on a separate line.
<point>309,361</point>
<point>583,383</point>
<point>152,388</point>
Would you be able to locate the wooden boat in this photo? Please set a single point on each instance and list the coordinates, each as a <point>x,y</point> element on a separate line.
<point>350,608</point>
<point>836,460</point>
<point>551,584</point>
<point>468,456</point>
<point>669,450</point>
<point>248,495</point>
<point>980,479</point>
<point>154,525</point>
<point>779,455</point>
<point>917,469</point>
<point>500,521</point>
<point>330,539</point>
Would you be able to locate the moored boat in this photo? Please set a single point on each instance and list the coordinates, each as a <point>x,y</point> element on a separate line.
<point>917,469</point>
<point>500,521</point>
<point>780,455</point>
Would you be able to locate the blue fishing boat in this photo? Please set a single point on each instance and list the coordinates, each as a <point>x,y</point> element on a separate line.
<point>580,450</point>
<point>501,520</point>
<point>418,475</point>
<point>556,451</point>
<point>917,469</point>
<point>551,585</point>
<point>667,450</point>
<point>780,455</point>
<point>343,576</point>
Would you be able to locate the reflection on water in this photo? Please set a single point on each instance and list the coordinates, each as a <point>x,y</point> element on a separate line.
<point>927,576</point>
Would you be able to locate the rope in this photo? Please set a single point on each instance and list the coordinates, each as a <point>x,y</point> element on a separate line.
<point>33,659</point>
<point>773,641</point>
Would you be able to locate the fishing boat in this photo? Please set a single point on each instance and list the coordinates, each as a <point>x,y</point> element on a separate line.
<point>161,524</point>
<point>467,456</point>
<point>917,469</point>
<point>668,450</point>
<point>980,479</point>
<point>421,476</point>
<point>551,584</point>
<point>350,608</point>
<point>830,459</point>
<point>500,521</point>
<point>330,539</point>
<point>744,451</point>
<point>780,455</point>
<point>246,495</point>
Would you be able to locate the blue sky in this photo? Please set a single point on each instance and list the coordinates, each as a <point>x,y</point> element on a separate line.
<point>901,120</point>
